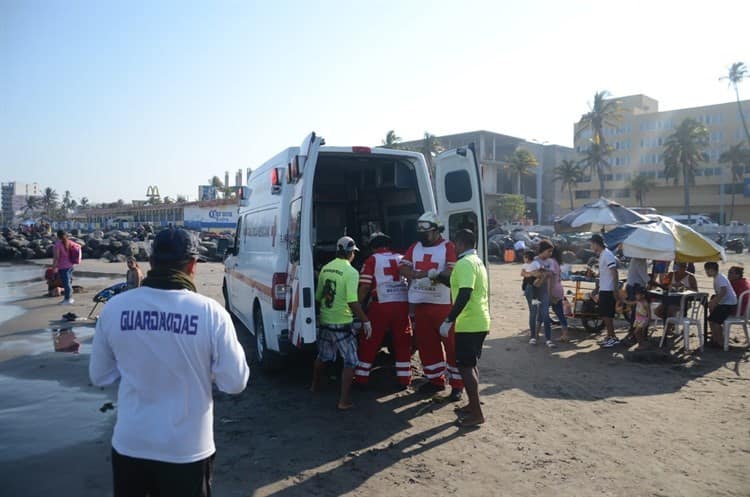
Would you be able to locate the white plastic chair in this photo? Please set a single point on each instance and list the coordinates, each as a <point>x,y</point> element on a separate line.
<point>738,319</point>
<point>692,303</point>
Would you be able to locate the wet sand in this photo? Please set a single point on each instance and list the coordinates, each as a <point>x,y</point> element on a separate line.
<point>577,420</point>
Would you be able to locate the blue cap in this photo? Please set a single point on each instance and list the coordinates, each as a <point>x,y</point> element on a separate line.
<point>174,245</point>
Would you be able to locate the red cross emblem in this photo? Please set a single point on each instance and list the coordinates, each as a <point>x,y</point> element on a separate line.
<point>392,270</point>
<point>426,264</point>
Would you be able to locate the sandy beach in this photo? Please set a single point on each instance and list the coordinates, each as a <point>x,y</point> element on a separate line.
<point>577,420</point>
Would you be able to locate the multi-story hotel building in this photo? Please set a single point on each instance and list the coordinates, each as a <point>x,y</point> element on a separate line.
<point>544,200</point>
<point>638,142</point>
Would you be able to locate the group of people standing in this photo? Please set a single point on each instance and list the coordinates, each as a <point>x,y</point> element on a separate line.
<point>438,289</point>
<point>543,290</point>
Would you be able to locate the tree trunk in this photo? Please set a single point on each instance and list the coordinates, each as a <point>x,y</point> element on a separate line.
<point>686,191</point>
<point>640,199</point>
<point>731,209</point>
<point>570,190</point>
<point>518,184</point>
<point>601,185</point>
<point>742,114</point>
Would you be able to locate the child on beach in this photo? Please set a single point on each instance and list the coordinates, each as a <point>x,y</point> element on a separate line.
<point>527,285</point>
<point>642,317</point>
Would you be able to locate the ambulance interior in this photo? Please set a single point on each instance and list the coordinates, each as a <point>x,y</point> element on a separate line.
<point>356,196</point>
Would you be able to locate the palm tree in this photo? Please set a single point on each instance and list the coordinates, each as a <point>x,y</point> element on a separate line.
<point>49,200</point>
<point>84,202</point>
<point>430,147</point>
<point>392,140</point>
<point>569,174</point>
<point>66,199</point>
<point>216,182</point>
<point>604,112</point>
<point>521,162</point>
<point>737,73</point>
<point>738,158</point>
<point>595,161</point>
<point>32,204</point>
<point>641,185</point>
<point>683,152</point>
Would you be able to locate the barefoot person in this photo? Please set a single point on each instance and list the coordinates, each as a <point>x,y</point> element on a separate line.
<point>337,294</point>
<point>470,317</point>
<point>166,344</point>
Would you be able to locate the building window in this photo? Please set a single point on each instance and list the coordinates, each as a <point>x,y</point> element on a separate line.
<point>624,193</point>
<point>583,194</point>
<point>709,171</point>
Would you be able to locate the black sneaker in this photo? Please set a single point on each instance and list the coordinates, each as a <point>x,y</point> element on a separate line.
<point>430,388</point>
<point>456,395</point>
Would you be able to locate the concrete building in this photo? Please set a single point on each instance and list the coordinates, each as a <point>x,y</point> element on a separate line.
<point>638,143</point>
<point>543,197</point>
<point>14,195</point>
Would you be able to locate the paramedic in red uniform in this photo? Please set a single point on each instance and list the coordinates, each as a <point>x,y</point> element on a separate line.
<point>381,283</point>
<point>431,301</point>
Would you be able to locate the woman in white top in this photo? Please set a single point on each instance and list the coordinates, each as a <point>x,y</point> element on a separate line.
<point>722,303</point>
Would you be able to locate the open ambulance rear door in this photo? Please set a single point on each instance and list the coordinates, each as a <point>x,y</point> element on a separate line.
<point>459,195</point>
<point>300,275</point>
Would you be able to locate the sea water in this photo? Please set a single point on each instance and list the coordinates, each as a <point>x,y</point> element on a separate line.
<point>14,279</point>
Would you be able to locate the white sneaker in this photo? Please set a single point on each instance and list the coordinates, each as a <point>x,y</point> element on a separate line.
<point>67,302</point>
<point>551,344</point>
<point>611,342</point>
<point>532,341</point>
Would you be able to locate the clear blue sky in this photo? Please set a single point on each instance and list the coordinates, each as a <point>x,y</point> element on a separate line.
<point>106,98</point>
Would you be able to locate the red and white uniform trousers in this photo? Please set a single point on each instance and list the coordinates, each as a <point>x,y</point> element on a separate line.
<point>438,354</point>
<point>385,316</point>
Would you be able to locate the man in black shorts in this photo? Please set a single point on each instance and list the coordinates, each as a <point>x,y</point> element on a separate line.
<point>470,314</point>
<point>607,284</point>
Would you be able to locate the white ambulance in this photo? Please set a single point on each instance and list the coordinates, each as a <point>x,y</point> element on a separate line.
<point>301,201</point>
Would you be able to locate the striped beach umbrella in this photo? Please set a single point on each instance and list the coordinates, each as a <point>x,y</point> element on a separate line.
<point>601,215</point>
<point>662,238</point>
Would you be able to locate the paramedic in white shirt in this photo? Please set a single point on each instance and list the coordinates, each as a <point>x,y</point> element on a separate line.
<point>166,344</point>
<point>607,285</point>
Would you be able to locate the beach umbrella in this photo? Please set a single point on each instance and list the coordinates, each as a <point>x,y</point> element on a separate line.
<point>601,215</point>
<point>662,238</point>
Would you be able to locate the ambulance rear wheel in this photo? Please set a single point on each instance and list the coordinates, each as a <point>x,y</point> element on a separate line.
<point>268,360</point>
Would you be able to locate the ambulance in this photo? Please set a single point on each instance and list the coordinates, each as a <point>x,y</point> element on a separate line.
<point>300,202</point>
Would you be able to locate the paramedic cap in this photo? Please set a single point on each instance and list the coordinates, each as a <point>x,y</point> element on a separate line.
<point>346,244</point>
<point>379,234</point>
<point>174,245</point>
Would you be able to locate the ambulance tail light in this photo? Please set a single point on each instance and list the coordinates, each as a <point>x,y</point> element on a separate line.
<point>362,150</point>
<point>278,291</point>
<point>276,174</point>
